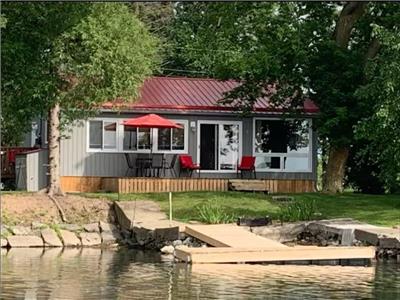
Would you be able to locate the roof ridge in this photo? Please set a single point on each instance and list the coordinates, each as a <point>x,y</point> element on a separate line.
<point>192,78</point>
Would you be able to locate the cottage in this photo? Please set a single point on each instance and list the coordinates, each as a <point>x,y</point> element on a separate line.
<point>215,136</point>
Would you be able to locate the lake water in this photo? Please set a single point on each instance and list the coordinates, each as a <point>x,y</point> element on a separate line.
<point>130,274</point>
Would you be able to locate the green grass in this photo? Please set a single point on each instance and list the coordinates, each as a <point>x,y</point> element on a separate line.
<point>373,209</point>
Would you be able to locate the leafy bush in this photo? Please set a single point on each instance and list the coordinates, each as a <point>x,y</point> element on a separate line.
<point>298,210</point>
<point>212,212</point>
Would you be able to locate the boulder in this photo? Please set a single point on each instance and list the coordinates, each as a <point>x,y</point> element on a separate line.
<point>21,230</point>
<point>389,243</point>
<point>365,236</point>
<point>167,249</point>
<point>69,239</point>
<point>4,243</point>
<point>70,227</point>
<point>110,238</point>
<point>24,241</point>
<point>50,238</point>
<point>93,227</point>
<point>177,243</point>
<point>107,227</point>
<point>89,239</point>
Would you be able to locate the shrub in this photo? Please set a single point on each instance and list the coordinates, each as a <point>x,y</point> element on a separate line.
<point>299,210</point>
<point>212,212</point>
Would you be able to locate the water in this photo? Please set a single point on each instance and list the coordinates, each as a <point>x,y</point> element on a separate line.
<point>129,274</point>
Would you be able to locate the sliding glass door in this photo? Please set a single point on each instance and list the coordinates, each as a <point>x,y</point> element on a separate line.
<point>219,145</point>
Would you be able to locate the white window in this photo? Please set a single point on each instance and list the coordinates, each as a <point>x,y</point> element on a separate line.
<point>110,135</point>
<point>102,135</point>
<point>283,145</point>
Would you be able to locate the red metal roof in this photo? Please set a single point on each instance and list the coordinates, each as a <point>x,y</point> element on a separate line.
<point>182,93</point>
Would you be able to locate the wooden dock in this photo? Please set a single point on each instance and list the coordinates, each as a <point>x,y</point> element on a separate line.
<point>233,244</point>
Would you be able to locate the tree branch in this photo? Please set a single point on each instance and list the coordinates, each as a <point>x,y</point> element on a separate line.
<point>350,13</point>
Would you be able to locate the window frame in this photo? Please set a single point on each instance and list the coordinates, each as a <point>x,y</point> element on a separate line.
<point>120,138</point>
<point>309,155</point>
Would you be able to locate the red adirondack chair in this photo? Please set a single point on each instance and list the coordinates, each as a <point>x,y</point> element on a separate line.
<point>247,164</point>
<point>186,163</point>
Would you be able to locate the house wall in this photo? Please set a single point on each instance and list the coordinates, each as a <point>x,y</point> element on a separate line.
<point>77,161</point>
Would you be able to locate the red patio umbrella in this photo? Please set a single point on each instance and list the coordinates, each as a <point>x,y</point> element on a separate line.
<point>151,121</point>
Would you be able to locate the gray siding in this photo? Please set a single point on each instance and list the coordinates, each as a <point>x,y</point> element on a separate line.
<point>76,161</point>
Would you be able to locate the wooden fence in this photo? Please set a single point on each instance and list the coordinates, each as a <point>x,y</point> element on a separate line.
<point>157,185</point>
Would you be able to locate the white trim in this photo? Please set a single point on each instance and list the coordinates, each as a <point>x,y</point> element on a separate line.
<point>120,138</point>
<point>282,155</point>
<point>228,122</point>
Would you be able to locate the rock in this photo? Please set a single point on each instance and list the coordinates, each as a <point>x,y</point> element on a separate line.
<point>177,243</point>
<point>50,238</point>
<point>70,227</point>
<point>69,239</point>
<point>4,243</point>
<point>93,227</point>
<point>110,238</point>
<point>38,225</point>
<point>188,241</point>
<point>281,233</point>
<point>24,241</point>
<point>167,249</point>
<point>366,236</point>
<point>142,236</point>
<point>89,239</point>
<point>107,227</point>
<point>21,230</point>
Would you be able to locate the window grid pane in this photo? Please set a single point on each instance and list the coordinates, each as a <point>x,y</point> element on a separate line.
<point>95,134</point>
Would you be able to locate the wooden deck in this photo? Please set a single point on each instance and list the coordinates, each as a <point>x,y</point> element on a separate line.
<point>241,255</point>
<point>233,244</point>
<point>159,185</point>
<point>227,235</point>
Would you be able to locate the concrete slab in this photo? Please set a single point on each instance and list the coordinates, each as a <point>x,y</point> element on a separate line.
<point>90,239</point>
<point>4,243</point>
<point>69,239</point>
<point>24,241</point>
<point>93,227</point>
<point>50,238</point>
<point>144,214</point>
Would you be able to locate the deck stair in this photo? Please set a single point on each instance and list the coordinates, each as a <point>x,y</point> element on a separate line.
<point>233,244</point>
<point>247,185</point>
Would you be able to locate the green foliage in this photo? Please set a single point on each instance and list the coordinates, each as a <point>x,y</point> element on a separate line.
<point>381,130</point>
<point>76,54</point>
<point>374,209</point>
<point>299,210</point>
<point>212,212</point>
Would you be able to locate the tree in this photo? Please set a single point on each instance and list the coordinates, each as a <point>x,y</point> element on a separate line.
<point>105,54</point>
<point>315,50</point>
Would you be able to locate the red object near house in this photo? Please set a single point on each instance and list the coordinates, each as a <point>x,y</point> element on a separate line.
<point>247,164</point>
<point>187,164</point>
<point>151,121</point>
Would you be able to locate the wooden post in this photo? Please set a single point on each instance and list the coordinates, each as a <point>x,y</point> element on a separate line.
<point>170,209</point>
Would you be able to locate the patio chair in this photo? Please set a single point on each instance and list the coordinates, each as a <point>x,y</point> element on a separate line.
<point>171,165</point>
<point>131,165</point>
<point>157,164</point>
<point>186,163</point>
<point>247,164</point>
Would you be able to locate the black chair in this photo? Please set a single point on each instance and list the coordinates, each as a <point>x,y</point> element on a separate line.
<point>143,163</point>
<point>131,165</point>
<point>157,164</point>
<point>171,165</point>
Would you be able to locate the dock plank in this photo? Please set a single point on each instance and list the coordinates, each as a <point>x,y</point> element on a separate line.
<point>234,255</point>
<point>227,235</point>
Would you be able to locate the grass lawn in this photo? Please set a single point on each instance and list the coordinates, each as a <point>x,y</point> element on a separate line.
<point>373,209</point>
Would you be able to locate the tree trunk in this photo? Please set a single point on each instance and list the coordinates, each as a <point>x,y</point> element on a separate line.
<point>54,151</point>
<point>335,169</point>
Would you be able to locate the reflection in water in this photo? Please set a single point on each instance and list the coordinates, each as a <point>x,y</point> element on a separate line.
<point>127,274</point>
